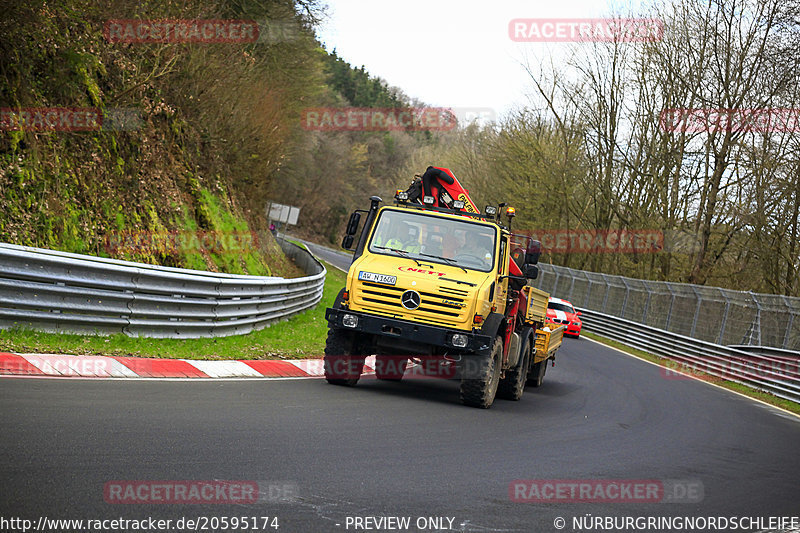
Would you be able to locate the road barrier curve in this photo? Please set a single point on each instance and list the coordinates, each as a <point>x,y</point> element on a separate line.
<point>61,292</point>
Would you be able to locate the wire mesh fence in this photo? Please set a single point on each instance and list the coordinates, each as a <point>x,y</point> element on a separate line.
<point>712,314</point>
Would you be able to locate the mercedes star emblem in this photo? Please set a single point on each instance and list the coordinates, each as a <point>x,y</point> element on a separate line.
<point>410,299</point>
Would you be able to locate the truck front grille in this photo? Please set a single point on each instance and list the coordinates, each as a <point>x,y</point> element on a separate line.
<point>447,307</point>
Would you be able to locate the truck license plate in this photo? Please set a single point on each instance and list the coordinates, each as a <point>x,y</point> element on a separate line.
<point>377,278</point>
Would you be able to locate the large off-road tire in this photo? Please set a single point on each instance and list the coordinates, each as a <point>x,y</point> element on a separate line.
<point>343,366</point>
<point>513,384</point>
<point>479,385</point>
<point>390,367</point>
<point>536,375</point>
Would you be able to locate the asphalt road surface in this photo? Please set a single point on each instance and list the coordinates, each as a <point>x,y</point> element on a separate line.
<point>338,258</point>
<point>406,450</point>
<point>397,449</point>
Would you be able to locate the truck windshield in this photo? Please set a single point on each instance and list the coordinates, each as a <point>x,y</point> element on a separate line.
<point>465,244</point>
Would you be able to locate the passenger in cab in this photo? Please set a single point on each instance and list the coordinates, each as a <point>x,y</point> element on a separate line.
<point>405,238</point>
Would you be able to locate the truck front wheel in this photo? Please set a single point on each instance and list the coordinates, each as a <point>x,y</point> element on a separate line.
<point>481,376</point>
<point>343,366</point>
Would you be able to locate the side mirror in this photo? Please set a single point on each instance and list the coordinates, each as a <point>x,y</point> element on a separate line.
<point>579,313</point>
<point>347,242</point>
<point>518,255</point>
<point>352,224</point>
<point>533,252</point>
<point>531,271</point>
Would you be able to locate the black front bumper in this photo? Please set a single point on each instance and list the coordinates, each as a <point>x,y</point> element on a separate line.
<point>410,331</point>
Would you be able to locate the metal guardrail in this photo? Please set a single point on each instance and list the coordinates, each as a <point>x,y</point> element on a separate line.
<point>776,374</point>
<point>688,325</point>
<point>766,350</point>
<point>712,314</point>
<point>62,292</point>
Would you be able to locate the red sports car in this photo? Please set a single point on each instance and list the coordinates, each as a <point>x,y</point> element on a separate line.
<point>561,312</point>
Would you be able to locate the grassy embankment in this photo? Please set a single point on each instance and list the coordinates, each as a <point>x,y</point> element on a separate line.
<point>302,336</point>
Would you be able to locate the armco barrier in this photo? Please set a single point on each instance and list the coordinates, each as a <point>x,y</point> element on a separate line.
<point>55,291</point>
<point>713,314</point>
<point>688,324</point>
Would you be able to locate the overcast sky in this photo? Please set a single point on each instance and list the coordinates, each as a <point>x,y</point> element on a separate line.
<point>449,53</point>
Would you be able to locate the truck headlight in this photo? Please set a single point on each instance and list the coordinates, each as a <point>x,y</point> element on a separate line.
<point>459,340</point>
<point>350,321</point>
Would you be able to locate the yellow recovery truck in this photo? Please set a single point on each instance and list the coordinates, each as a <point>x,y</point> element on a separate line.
<point>437,283</point>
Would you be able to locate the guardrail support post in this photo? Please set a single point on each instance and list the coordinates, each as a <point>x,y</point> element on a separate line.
<point>788,329</point>
<point>625,299</point>
<point>572,284</point>
<point>589,284</point>
<point>540,278</point>
<point>789,324</point>
<point>755,327</point>
<point>555,285</point>
<point>724,316</point>
<point>646,303</point>
<point>608,289</point>
<point>696,310</point>
<point>671,305</point>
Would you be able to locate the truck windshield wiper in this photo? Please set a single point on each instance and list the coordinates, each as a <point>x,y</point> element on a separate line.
<point>449,261</point>
<point>402,253</point>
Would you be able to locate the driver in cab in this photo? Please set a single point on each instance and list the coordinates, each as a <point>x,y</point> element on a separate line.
<point>405,238</point>
<point>472,247</point>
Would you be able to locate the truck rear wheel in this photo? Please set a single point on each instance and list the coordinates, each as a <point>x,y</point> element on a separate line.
<point>513,385</point>
<point>536,375</point>
<point>342,365</point>
<point>479,385</point>
<point>390,367</point>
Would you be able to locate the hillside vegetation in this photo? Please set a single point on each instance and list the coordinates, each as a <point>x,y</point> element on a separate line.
<point>211,132</point>
<point>220,133</point>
